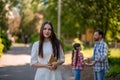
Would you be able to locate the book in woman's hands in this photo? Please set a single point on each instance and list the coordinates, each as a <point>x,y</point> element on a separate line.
<point>52,59</point>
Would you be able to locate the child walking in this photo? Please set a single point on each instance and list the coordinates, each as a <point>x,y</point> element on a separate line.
<point>77,61</point>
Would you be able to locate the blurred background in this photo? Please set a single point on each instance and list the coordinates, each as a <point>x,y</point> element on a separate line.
<point>73,21</point>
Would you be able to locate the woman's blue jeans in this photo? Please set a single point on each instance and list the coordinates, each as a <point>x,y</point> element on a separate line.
<point>77,74</point>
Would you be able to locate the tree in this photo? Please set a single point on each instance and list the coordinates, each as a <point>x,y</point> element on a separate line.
<point>30,20</point>
<point>78,15</point>
<point>3,24</point>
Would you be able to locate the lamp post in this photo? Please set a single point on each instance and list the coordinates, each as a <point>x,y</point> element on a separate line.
<point>59,18</point>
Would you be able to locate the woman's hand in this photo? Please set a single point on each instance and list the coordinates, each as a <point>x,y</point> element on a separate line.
<point>49,66</point>
<point>54,65</point>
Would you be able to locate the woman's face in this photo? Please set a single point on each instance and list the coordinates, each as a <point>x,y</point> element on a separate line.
<point>47,31</point>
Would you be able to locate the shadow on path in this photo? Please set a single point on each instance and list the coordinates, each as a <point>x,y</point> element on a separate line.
<point>18,50</point>
<point>22,72</point>
<point>14,64</point>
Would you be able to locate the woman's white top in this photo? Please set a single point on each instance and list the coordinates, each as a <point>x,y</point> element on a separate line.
<point>44,73</point>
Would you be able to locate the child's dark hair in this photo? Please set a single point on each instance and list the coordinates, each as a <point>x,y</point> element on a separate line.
<point>75,46</point>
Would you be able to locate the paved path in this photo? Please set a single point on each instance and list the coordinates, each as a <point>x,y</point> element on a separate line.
<point>14,65</point>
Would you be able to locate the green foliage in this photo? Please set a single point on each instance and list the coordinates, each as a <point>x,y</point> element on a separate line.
<point>103,14</point>
<point>29,22</point>
<point>114,62</point>
<point>100,14</point>
<point>1,48</point>
<point>34,37</point>
<point>68,47</point>
<point>114,67</point>
<point>5,41</point>
<point>2,15</point>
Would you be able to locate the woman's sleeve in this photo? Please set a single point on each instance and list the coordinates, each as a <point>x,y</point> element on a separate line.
<point>62,58</point>
<point>34,54</point>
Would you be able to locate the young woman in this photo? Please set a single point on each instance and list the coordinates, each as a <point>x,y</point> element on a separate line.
<point>77,61</point>
<point>42,50</point>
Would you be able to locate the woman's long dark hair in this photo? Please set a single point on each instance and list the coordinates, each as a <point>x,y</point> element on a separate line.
<point>53,39</point>
<point>75,51</point>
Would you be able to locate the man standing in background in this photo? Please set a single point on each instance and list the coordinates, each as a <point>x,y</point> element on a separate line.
<point>100,56</point>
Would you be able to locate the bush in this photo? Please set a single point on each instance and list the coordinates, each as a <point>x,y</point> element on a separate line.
<point>114,71</point>
<point>68,47</point>
<point>5,41</point>
<point>114,67</point>
<point>114,61</point>
<point>1,47</point>
<point>33,38</point>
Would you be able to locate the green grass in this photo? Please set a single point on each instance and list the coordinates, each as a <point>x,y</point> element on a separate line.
<point>87,52</point>
<point>114,53</point>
